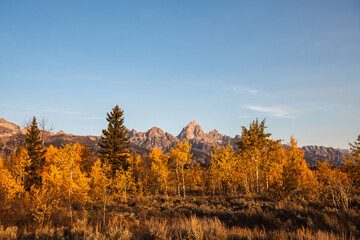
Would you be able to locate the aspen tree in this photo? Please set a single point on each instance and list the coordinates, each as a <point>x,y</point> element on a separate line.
<point>99,186</point>
<point>160,166</point>
<point>135,164</point>
<point>224,165</point>
<point>9,187</point>
<point>334,185</point>
<point>254,147</point>
<point>18,163</point>
<point>297,178</point>
<point>181,156</point>
<point>63,179</point>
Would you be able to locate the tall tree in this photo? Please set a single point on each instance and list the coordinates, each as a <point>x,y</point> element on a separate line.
<point>255,146</point>
<point>99,186</point>
<point>180,157</point>
<point>224,166</point>
<point>334,186</point>
<point>34,146</point>
<point>297,179</point>
<point>160,166</point>
<point>17,163</point>
<point>114,144</point>
<point>9,187</point>
<point>352,164</point>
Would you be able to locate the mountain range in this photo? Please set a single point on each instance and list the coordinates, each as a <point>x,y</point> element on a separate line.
<point>12,136</point>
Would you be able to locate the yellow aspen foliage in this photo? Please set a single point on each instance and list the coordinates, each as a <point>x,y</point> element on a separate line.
<point>49,155</point>
<point>121,184</point>
<point>135,169</point>
<point>270,163</point>
<point>63,182</point>
<point>9,187</point>
<point>181,156</point>
<point>42,204</point>
<point>149,184</point>
<point>86,160</point>
<point>276,174</point>
<point>206,180</point>
<point>17,163</point>
<point>334,186</point>
<point>255,150</point>
<point>160,167</point>
<point>195,178</point>
<point>224,166</point>
<point>100,185</point>
<point>298,180</point>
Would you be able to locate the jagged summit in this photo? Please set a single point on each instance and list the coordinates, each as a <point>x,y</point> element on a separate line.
<point>8,128</point>
<point>191,131</point>
<point>60,132</point>
<point>154,132</point>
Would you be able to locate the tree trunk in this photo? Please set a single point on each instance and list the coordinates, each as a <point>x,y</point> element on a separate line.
<point>71,221</point>
<point>166,188</point>
<point>178,181</point>
<point>104,206</point>
<point>183,180</point>
<point>257,179</point>
<point>267,182</point>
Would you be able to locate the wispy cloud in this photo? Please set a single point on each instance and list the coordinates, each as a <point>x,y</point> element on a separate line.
<point>242,89</point>
<point>278,112</point>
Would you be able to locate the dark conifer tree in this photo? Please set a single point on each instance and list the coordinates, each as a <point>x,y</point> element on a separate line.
<point>36,151</point>
<point>352,164</point>
<point>114,144</point>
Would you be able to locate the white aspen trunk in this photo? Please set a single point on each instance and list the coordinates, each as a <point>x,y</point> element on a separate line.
<point>267,182</point>
<point>183,180</point>
<point>178,181</point>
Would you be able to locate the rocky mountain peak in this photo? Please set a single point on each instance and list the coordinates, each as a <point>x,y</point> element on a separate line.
<point>191,131</point>
<point>131,133</point>
<point>155,132</point>
<point>8,128</point>
<point>60,132</point>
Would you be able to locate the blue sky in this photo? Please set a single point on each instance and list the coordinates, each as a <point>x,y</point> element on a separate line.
<point>166,63</point>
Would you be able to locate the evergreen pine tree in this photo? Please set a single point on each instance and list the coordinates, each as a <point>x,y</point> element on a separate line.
<point>36,151</point>
<point>352,164</point>
<point>355,150</point>
<point>114,144</point>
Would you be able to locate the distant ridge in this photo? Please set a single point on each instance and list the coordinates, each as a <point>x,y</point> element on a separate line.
<point>12,136</point>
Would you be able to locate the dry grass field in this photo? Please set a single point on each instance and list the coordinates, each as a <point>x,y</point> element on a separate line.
<point>197,217</point>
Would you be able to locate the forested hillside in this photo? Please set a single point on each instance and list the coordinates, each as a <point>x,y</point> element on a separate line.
<point>253,186</point>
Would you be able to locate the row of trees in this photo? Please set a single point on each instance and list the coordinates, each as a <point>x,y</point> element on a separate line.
<point>48,179</point>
